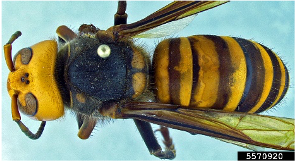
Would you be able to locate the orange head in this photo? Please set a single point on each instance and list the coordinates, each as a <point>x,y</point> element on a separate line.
<point>31,82</point>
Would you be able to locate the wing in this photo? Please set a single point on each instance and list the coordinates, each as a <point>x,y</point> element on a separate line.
<point>244,128</point>
<point>173,12</point>
<point>161,31</point>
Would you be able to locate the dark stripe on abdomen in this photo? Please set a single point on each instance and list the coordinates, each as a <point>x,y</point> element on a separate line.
<point>276,83</point>
<point>196,66</point>
<point>174,75</point>
<point>225,71</point>
<point>255,76</point>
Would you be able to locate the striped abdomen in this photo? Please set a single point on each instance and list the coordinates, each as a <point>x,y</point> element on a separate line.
<point>226,73</point>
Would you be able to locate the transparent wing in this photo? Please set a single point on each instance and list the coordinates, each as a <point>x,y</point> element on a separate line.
<point>161,31</point>
<point>173,12</point>
<point>264,131</point>
<point>245,145</point>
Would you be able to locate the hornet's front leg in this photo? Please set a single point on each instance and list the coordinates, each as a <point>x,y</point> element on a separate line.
<point>65,34</point>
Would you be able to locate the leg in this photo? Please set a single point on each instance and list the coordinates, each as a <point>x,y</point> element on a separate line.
<point>86,125</point>
<point>65,34</point>
<point>151,142</point>
<point>121,17</point>
<point>167,139</point>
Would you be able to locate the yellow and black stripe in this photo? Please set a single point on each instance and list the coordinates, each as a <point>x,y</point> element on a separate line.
<point>227,73</point>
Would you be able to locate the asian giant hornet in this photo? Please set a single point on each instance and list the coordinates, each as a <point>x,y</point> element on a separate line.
<point>108,100</point>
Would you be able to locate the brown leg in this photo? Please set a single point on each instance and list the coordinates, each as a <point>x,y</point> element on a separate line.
<point>167,139</point>
<point>86,125</point>
<point>65,34</point>
<point>151,142</point>
<point>121,17</point>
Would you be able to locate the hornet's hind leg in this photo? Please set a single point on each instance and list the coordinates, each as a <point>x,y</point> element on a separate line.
<point>121,17</point>
<point>151,142</point>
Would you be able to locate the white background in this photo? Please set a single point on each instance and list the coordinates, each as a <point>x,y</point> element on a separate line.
<point>269,23</point>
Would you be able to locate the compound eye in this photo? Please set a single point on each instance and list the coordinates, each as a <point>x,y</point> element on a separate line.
<point>103,51</point>
<point>31,105</point>
<point>26,55</point>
